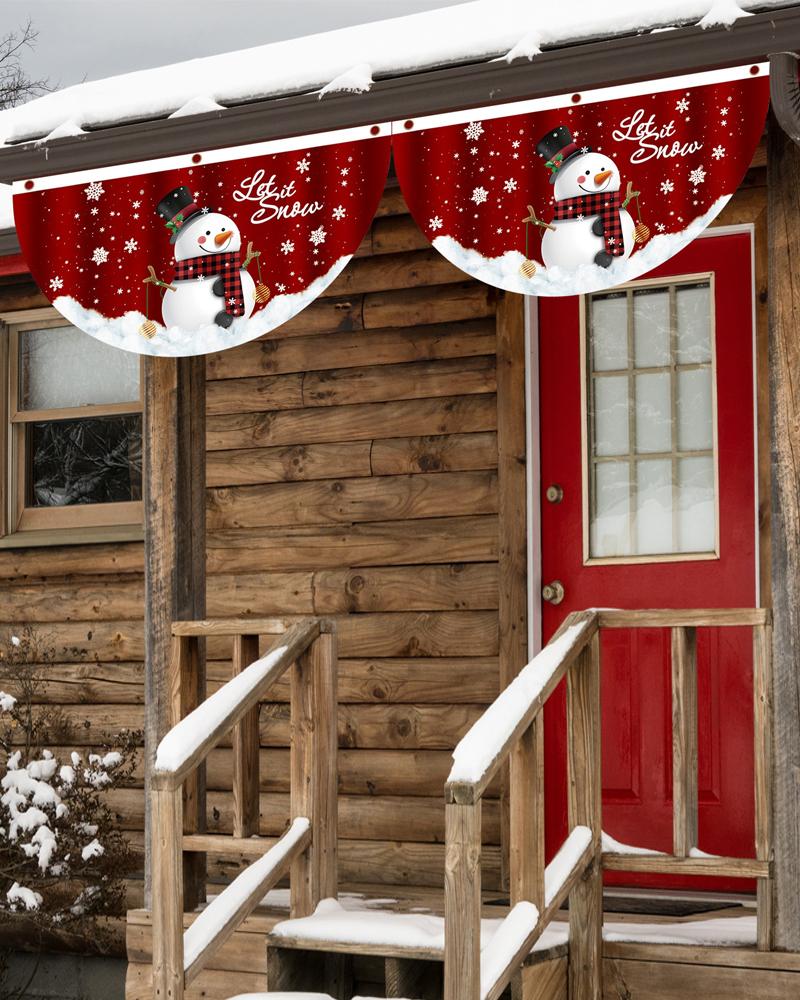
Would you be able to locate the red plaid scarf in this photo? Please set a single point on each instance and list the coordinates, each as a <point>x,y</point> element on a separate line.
<point>226,265</point>
<point>605,204</point>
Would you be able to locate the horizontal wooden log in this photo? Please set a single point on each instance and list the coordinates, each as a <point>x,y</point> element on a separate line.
<point>440,304</point>
<point>288,463</point>
<point>353,422</point>
<point>265,392</point>
<point>396,234</point>
<point>347,500</point>
<point>329,315</point>
<point>434,453</point>
<point>666,865</point>
<point>411,269</point>
<point>85,684</point>
<point>388,346</point>
<point>110,600</point>
<point>72,560</point>
<point>434,540</point>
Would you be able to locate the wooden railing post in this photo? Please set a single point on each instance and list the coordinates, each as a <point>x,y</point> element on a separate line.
<point>187,691</point>
<point>313,772</point>
<point>764,757</point>
<point>526,841</point>
<point>585,798</point>
<point>246,749</point>
<point>462,902</point>
<point>167,906</point>
<point>684,741</point>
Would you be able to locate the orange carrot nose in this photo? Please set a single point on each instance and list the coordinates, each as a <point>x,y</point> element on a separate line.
<point>602,176</point>
<point>220,238</point>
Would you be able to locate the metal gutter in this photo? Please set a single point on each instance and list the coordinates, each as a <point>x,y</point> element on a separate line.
<point>562,70</point>
<point>9,243</point>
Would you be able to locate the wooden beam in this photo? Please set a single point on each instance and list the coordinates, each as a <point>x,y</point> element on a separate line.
<point>763,755</point>
<point>174,515</point>
<point>684,740</point>
<point>666,864</point>
<point>684,618</point>
<point>462,902</point>
<point>167,887</point>
<point>783,199</point>
<point>246,749</point>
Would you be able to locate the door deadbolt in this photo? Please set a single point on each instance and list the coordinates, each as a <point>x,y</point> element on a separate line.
<point>554,493</point>
<point>553,592</point>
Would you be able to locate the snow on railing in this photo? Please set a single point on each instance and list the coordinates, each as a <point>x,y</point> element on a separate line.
<point>512,935</point>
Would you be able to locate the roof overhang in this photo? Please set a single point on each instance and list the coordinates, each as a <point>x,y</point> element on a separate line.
<point>559,70</point>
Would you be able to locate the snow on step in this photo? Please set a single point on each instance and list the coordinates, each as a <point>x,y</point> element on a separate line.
<point>511,936</point>
<point>223,908</point>
<point>334,924</point>
<point>487,737</point>
<point>282,996</point>
<point>610,845</point>
<point>721,932</point>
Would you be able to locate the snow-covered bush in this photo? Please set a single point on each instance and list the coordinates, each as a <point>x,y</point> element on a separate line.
<point>63,859</point>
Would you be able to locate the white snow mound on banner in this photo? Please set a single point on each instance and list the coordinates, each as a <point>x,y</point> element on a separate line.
<point>503,271</point>
<point>174,342</point>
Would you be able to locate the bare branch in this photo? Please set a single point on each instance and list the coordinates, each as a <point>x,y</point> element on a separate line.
<point>15,84</point>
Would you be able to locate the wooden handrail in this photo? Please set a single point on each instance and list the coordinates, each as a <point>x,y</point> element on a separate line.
<point>511,728</point>
<point>307,851</point>
<point>189,742</point>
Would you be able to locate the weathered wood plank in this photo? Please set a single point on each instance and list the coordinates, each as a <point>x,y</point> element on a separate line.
<point>670,981</point>
<point>289,463</point>
<point>105,601</point>
<point>684,618</point>
<point>353,422</point>
<point>168,900</point>
<point>245,748</point>
<point>411,269</point>
<point>763,754</point>
<point>440,304</point>
<point>70,560</point>
<point>684,741</point>
<point>434,453</point>
<point>462,900</point>
<point>783,200</point>
<point>389,346</point>
<point>666,865</point>
<point>347,500</point>
<point>294,547</point>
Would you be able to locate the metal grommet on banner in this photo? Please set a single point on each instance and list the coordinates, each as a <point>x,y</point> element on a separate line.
<point>28,185</point>
<point>754,71</point>
<point>408,124</point>
<point>196,158</point>
<point>576,98</point>
<point>375,130</point>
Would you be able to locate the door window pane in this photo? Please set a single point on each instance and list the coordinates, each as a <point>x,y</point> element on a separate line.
<point>62,367</point>
<point>651,433</point>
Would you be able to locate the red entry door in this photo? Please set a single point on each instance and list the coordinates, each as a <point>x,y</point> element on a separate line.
<point>647,428</point>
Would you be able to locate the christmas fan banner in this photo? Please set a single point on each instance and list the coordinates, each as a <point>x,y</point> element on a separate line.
<point>570,194</point>
<point>194,254</point>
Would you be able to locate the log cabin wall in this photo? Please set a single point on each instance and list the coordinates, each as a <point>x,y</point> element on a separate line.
<point>352,471</point>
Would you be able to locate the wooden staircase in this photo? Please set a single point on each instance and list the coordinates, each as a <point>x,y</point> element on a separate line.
<point>457,956</point>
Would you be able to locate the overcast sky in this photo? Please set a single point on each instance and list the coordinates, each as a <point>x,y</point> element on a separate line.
<point>90,39</point>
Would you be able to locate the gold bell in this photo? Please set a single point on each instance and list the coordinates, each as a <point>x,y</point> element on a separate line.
<point>148,329</point>
<point>262,293</point>
<point>641,233</point>
<point>527,268</point>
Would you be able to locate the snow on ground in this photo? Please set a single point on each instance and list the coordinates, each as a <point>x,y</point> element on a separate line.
<point>503,272</point>
<point>219,913</point>
<point>483,29</point>
<point>173,341</point>
<point>484,741</point>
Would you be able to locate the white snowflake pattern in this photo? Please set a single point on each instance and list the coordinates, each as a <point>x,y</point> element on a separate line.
<point>660,227</point>
<point>303,165</point>
<point>136,204</point>
<point>56,283</point>
<point>131,245</point>
<point>667,187</point>
<point>474,151</point>
<point>281,287</point>
<point>317,236</point>
<point>479,195</point>
<point>515,144</point>
<point>287,246</point>
<point>435,223</point>
<point>94,191</point>
<point>344,171</point>
<point>94,211</point>
<point>682,105</point>
<point>510,185</point>
<point>724,112</point>
<point>718,152</point>
<point>339,212</point>
<point>473,131</point>
<point>697,176</point>
<point>99,255</point>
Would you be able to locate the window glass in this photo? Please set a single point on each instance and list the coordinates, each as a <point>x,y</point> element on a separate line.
<point>651,432</point>
<point>62,367</point>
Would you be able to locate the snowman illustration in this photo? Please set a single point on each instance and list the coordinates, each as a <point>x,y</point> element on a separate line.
<point>590,224</point>
<point>211,283</point>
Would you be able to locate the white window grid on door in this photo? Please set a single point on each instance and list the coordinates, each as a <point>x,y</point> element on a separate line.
<point>673,368</point>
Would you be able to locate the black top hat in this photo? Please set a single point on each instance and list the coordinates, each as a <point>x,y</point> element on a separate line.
<point>556,147</point>
<point>177,208</point>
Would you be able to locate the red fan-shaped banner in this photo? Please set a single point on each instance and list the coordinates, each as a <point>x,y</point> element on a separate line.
<point>570,194</point>
<point>194,254</point>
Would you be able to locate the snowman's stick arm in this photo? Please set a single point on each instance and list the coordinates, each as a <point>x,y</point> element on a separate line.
<point>151,279</point>
<point>630,194</point>
<point>250,255</point>
<point>536,221</point>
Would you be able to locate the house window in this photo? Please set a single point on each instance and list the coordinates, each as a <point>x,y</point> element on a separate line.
<point>651,421</point>
<point>74,452</point>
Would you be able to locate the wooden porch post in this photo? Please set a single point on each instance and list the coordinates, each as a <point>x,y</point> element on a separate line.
<point>783,172</point>
<point>174,517</point>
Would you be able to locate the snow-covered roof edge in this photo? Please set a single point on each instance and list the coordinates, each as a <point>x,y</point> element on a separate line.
<point>471,32</point>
